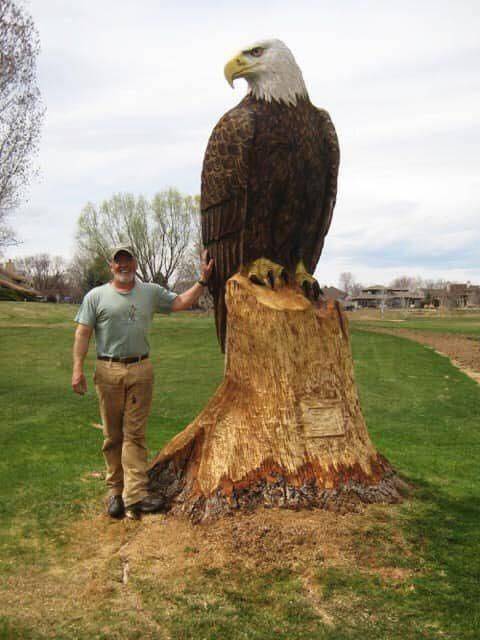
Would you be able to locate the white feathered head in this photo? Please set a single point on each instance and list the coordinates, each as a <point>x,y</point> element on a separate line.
<point>270,70</point>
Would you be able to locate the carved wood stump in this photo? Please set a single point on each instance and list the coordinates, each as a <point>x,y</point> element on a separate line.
<point>285,427</point>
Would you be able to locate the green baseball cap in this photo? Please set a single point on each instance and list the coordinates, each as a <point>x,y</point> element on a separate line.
<point>126,248</point>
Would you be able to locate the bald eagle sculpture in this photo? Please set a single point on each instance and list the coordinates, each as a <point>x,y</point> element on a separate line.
<point>269,179</point>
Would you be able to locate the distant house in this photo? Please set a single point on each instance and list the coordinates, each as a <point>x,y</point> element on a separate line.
<point>453,296</point>
<point>14,285</point>
<point>377,296</point>
<point>473,295</point>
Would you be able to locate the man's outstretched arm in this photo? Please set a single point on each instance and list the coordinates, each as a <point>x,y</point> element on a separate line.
<point>189,297</point>
<point>80,350</point>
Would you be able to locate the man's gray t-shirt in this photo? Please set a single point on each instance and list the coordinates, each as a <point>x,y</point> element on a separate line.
<point>121,320</point>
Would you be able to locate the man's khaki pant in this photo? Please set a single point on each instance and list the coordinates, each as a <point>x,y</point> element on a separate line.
<point>125,396</point>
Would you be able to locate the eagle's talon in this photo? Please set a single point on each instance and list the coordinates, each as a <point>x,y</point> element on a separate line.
<point>316,291</point>
<point>266,273</point>
<point>307,282</point>
<point>255,279</point>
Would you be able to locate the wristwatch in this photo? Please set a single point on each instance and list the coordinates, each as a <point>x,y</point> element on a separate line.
<point>202,282</point>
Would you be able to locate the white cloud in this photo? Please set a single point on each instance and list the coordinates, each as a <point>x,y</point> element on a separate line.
<point>134,89</point>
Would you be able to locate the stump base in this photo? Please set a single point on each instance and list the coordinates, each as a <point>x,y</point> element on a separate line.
<point>169,482</point>
<point>284,429</point>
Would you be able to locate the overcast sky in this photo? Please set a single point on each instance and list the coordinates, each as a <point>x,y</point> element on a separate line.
<point>133,90</point>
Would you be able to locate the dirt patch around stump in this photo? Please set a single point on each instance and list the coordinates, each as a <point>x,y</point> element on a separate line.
<point>112,566</point>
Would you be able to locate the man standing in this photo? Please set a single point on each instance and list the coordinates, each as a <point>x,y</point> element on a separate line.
<point>120,313</point>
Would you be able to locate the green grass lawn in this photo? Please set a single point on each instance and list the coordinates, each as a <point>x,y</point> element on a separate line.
<point>463,324</point>
<point>46,433</point>
<point>422,413</point>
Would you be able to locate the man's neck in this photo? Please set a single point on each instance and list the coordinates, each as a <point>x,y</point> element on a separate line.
<point>123,287</point>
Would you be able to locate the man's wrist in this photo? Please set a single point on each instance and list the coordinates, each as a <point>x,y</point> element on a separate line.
<point>202,282</point>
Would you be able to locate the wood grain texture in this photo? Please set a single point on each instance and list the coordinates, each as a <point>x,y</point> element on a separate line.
<point>285,427</point>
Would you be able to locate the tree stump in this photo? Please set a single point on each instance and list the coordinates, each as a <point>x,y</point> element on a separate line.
<point>285,427</point>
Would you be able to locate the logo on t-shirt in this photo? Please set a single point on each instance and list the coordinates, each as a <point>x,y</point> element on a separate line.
<point>132,313</point>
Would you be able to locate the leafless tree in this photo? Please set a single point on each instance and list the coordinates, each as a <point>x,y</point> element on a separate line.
<point>401,282</point>
<point>431,283</point>
<point>404,282</point>
<point>177,218</point>
<point>161,232</point>
<point>348,284</point>
<point>84,273</point>
<point>188,268</point>
<point>21,110</point>
<point>44,272</point>
<point>346,281</point>
<point>357,289</point>
<point>7,234</point>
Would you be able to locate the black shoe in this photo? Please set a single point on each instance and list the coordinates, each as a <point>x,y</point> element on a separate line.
<point>115,507</point>
<point>147,505</point>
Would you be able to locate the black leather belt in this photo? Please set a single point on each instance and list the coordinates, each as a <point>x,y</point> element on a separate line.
<point>128,360</point>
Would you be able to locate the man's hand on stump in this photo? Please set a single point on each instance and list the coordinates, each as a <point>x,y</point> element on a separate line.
<point>206,267</point>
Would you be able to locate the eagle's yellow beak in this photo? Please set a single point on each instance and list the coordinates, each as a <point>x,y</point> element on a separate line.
<point>236,68</point>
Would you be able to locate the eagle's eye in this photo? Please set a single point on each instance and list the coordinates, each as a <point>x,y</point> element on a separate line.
<point>256,52</point>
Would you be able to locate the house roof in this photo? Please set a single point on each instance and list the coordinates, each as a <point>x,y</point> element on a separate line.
<point>332,293</point>
<point>5,283</point>
<point>10,279</point>
<point>411,295</point>
<point>368,296</point>
<point>12,275</point>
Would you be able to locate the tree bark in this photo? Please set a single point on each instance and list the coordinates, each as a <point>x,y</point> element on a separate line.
<point>285,427</point>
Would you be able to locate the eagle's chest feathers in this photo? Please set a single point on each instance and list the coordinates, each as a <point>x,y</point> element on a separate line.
<point>284,131</point>
<point>284,141</point>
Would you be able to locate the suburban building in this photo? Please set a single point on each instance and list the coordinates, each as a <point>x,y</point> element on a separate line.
<point>378,295</point>
<point>453,296</point>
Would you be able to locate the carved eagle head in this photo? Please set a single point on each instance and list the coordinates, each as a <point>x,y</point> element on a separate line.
<point>270,70</point>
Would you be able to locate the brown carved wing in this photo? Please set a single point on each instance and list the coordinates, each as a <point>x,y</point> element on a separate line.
<point>331,151</point>
<point>223,201</point>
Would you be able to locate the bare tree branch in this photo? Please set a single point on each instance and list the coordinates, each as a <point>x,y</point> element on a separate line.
<point>160,232</point>
<point>45,272</point>
<point>21,110</point>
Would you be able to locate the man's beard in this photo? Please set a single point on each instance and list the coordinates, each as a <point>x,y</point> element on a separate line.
<point>125,278</point>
